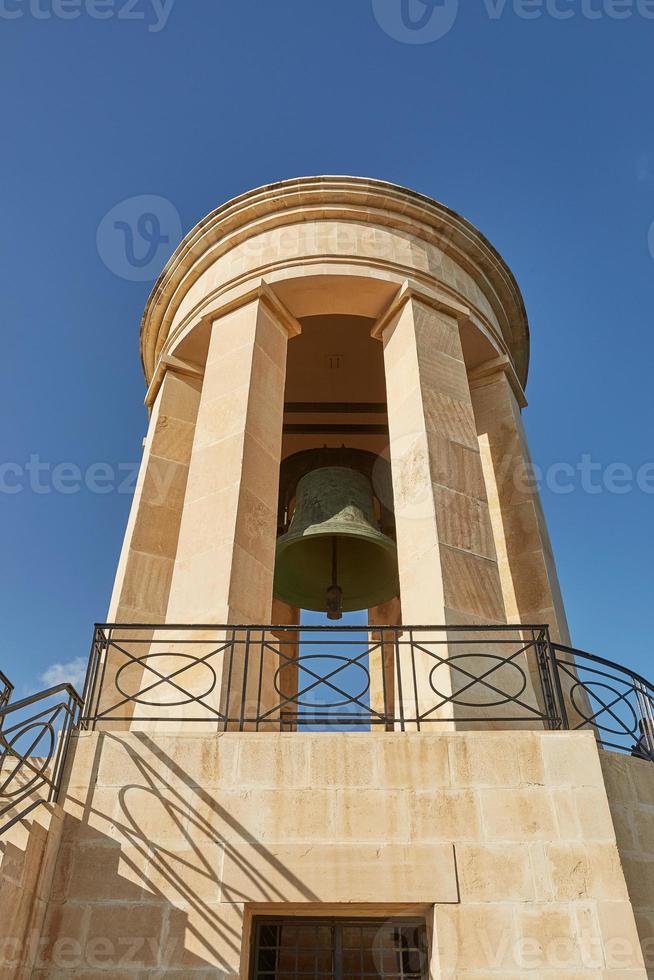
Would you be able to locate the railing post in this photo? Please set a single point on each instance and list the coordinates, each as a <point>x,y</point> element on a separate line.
<point>72,722</point>
<point>244,691</point>
<point>387,680</point>
<point>230,643</point>
<point>565,723</point>
<point>98,671</point>
<point>91,677</point>
<point>400,692</point>
<point>647,717</point>
<point>543,661</point>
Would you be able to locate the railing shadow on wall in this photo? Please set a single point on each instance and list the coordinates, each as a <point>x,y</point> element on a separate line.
<point>142,828</point>
<point>34,737</point>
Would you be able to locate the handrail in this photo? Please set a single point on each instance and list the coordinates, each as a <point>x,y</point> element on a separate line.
<point>361,628</point>
<point>576,652</point>
<point>41,695</point>
<point>33,749</point>
<point>617,703</point>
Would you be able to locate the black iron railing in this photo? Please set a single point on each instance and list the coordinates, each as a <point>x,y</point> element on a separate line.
<point>616,702</point>
<point>292,678</point>
<point>34,738</point>
<point>301,678</point>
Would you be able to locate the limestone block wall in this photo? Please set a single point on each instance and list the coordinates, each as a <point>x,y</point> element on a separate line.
<point>630,788</point>
<point>503,840</point>
<point>28,856</point>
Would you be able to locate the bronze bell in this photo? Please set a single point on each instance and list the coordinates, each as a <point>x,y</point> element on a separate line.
<point>333,556</point>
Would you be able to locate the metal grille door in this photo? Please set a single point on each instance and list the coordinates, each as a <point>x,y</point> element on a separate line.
<point>338,949</point>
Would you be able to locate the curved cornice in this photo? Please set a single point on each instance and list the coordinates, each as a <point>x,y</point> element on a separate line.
<point>346,198</point>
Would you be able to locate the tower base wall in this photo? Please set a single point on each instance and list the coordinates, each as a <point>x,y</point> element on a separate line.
<point>630,789</point>
<point>505,842</point>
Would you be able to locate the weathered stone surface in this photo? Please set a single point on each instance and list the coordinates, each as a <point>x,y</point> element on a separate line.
<point>512,858</point>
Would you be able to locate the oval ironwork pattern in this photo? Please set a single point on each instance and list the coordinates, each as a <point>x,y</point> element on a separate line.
<point>331,681</point>
<point>12,753</point>
<point>177,680</point>
<point>600,707</point>
<point>487,682</point>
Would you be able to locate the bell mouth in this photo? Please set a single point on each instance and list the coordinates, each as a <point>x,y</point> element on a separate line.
<point>367,575</point>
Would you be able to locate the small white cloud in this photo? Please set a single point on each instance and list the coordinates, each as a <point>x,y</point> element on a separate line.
<point>73,672</point>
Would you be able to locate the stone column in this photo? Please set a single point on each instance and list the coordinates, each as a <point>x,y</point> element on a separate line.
<point>447,561</point>
<point>530,583</point>
<point>145,570</point>
<point>226,552</point>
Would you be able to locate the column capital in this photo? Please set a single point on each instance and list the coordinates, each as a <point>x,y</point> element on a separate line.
<point>170,364</point>
<point>179,365</point>
<point>490,371</point>
<point>408,291</point>
<point>265,294</point>
<point>282,314</point>
<point>259,291</point>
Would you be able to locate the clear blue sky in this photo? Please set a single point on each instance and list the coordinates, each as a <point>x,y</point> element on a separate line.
<point>538,130</point>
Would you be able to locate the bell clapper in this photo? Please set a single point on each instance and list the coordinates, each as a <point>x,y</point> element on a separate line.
<point>334,592</point>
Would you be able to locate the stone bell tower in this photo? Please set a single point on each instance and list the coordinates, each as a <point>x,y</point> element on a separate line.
<point>335,375</point>
<point>343,324</point>
<point>336,313</point>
